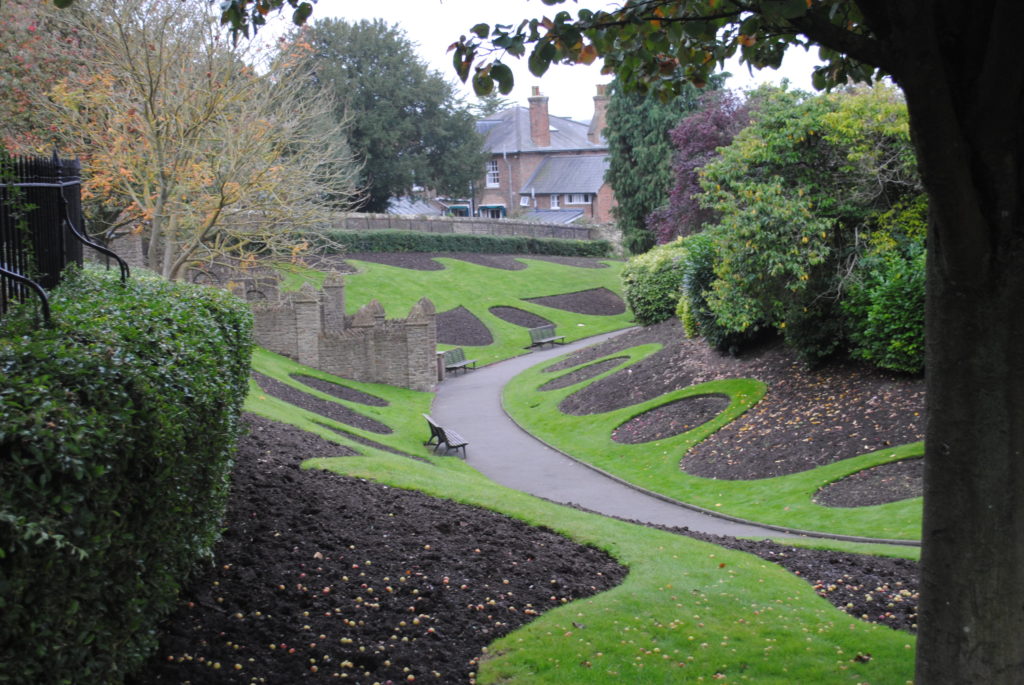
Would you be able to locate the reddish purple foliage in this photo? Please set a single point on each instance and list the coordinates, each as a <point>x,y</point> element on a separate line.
<point>696,139</point>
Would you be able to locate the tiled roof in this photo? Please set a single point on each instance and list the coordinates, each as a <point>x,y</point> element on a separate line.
<point>568,174</point>
<point>509,131</point>
<point>552,216</point>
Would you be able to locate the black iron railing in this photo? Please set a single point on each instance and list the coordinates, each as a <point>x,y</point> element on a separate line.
<point>41,227</point>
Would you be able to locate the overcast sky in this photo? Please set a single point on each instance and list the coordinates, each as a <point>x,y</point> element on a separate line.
<point>433,25</point>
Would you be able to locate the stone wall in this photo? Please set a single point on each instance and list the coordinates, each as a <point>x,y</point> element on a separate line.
<point>311,327</point>
<point>449,224</point>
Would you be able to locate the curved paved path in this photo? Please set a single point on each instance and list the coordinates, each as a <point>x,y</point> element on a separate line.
<point>471,403</point>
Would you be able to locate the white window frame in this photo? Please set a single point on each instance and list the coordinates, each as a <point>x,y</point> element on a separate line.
<point>555,202</point>
<point>493,174</point>
<point>577,198</point>
<point>524,200</point>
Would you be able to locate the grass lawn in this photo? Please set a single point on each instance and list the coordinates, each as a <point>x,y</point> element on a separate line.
<point>688,611</point>
<point>783,501</point>
<point>478,288</point>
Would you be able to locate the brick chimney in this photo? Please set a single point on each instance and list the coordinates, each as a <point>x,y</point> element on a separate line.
<point>540,126</point>
<point>598,122</point>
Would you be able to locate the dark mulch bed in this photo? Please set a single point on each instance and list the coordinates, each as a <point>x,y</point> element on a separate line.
<point>597,302</point>
<point>370,443</point>
<point>807,419</point>
<point>670,419</point>
<point>342,392</point>
<point>330,410</point>
<point>878,485</point>
<point>877,589</point>
<point>460,326</point>
<point>519,317</point>
<point>582,374</point>
<point>319,575</point>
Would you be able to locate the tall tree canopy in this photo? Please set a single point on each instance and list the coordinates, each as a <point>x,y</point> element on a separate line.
<point>405,123</point>
<point>640,157</point>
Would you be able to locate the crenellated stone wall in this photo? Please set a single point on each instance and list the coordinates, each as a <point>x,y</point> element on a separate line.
<point>311,327</point>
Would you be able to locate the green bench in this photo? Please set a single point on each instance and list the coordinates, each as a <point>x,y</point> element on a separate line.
<point>455,359</point>
<point>545,334</point>
<point>439,435</point>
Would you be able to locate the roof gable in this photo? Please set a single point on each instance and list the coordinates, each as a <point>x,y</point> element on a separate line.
<point>568,174</point>
<point>509,131</point>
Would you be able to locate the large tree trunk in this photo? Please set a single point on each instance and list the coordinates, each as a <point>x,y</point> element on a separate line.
<point>972,572</point>
<point>963,77</point>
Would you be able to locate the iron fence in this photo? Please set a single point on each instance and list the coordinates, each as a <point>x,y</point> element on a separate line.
<point>41,227</point>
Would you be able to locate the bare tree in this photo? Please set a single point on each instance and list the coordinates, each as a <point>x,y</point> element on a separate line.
<point>213,152</point>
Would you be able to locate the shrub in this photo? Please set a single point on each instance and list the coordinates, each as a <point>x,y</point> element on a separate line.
<point>117,426</point>
<point>417,241</point>
<point>652,281</point>
<point>698,319</point>
<point>885,311</point>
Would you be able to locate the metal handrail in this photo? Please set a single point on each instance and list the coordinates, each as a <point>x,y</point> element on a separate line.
<point>38,289</point>
<point>123,265</point>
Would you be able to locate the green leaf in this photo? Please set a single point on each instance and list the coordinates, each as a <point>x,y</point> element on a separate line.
<point>302,13</point>
<point>481,30</point>
<point>483,84</point>
<point>503,75</point>
<point>537,62</point>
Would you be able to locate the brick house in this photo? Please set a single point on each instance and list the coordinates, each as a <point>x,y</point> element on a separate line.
<point>545,167</point>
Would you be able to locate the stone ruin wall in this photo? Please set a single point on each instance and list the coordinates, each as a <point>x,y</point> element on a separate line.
<point>311,327</point>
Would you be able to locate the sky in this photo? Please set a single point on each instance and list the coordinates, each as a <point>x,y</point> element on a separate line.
<point>433,25</point>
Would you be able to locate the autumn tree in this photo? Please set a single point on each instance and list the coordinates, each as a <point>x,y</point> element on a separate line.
<point>183,139</point>
<point>37,49</point>
<point>406,124</point>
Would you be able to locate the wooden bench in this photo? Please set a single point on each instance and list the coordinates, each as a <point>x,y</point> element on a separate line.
<point>545,334</point>
<point>455,359</point>
<point>439,435</point>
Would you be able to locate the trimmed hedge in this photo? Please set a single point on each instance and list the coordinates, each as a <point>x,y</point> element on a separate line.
<point>117,426</point>
<point>416,241</point>
<point>652,282</point>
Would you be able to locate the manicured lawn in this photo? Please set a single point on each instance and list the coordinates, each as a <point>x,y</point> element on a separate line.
<point>782,501</point>
<point>478,288</point>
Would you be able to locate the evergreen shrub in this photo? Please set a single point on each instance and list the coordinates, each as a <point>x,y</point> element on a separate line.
<point>652,282</point>
<point>696,315</point>
<point>117,427</point>
<point>884,309</point>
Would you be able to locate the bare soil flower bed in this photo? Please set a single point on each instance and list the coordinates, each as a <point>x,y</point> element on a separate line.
<point>348,576</point>
<point>808,417</point>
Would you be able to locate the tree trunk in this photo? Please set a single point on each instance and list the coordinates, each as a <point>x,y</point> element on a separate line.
<point>963,83</point>
<point>972,565</point>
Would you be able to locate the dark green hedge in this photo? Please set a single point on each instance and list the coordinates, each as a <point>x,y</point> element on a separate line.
<point>416,241</point>
<point>117,427</point>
